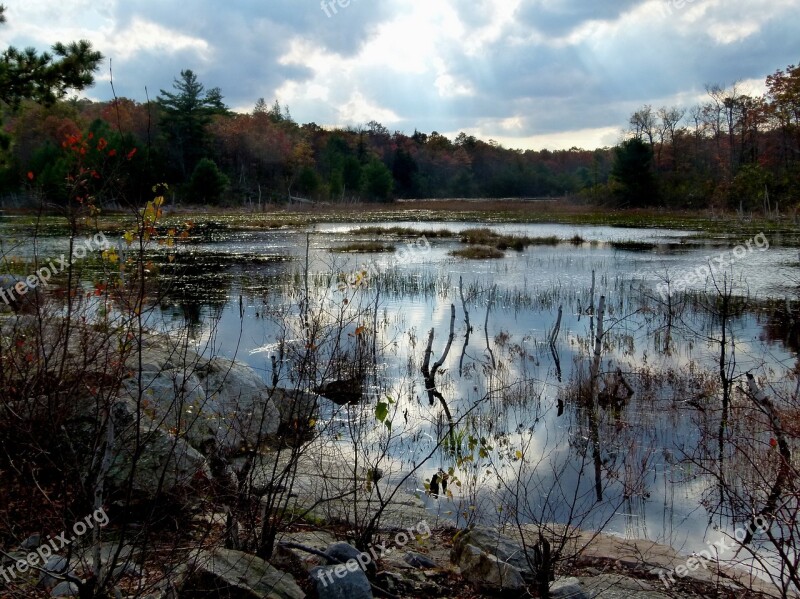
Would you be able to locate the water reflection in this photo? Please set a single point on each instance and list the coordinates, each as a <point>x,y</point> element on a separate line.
<point>549,455</point>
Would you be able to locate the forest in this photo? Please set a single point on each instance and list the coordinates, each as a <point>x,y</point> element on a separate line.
<point>732,151</point>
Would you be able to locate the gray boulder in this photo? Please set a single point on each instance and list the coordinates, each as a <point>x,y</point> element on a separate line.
<point>417,560</point>
<point>214,399</point>
<point>493,543</point>
<point>229,573</point>
<point>341,582</point>
<point>486,570</point>
<point>344,553</point>
<point>567,588</point>
<point>10,296</point>
<point>297,409</point>
<point>31,543</point>
<point>53,570</point>
<point>165,463</point>
<point>65,589</point>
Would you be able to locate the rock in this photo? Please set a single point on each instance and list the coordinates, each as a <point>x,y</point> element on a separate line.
<point>31,543</point>
<point>65,589</point>
<point>339,582</point>
<point>10,296</point>
<point>345,553</point>
<point>417,560</point>
<point>617,586</point>
<point>229,573</point>
<point>246,414</point>
<point>486,570</point>
<point>567,588</point>
<point>297,410</point>
<point>214,399</point>
<point>55,565</point>
<point>493,543</point>
<point>342,392</point>
<point>165,463</point>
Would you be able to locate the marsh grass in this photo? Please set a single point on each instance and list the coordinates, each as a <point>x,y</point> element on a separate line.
<point>405,232</point>
<point>487,237</point>
<point>633,246</point>
<point>364,247</point>
<point>478,252</point>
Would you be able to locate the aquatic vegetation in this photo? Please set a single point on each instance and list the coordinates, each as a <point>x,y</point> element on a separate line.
<point>364,247</point>
<point>478,252</point>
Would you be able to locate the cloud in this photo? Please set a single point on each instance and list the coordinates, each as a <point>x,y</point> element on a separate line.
<point>561,72</point>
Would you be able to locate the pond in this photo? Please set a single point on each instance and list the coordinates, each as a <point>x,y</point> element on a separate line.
<point>536,451</point>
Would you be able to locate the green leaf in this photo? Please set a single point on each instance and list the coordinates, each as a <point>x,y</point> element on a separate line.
<point>382,411</point>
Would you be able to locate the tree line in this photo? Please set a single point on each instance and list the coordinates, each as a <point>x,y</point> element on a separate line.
<point>734,151</point>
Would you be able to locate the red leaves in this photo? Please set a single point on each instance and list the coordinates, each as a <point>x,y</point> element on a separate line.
<point>131,154</point>
<point>773,443</point>
<point>112,152</point>
<point>30,175</point>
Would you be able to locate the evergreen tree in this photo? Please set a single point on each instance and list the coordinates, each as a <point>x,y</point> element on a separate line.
<point>186,114</point>
<point>633,173</point>
<point>46,77</point>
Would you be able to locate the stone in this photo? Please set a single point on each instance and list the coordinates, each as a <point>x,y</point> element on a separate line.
<point>417,560</point>
<point>486,570</point>
<point>297,411</point>
<point>11,298</point>
<point>246,415</point>
<point>567,588</point>
<point>31,543</point>
<point>617,586</point>
<point>229,573</point>
<point>493,543</point>
<point>166,462</point>
<point>65,589</point>
<point>55,565</point>
<point>344,552</point>
<point>205,399</point>
<point>339,582</point>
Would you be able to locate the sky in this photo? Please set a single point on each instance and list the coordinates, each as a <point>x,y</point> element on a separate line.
<point>529,74</point>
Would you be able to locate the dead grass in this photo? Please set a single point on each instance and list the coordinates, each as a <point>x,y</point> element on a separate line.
<point>364,247</point>
<point>478,252</point>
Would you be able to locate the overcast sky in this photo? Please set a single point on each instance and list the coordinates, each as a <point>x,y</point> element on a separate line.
<point>526,73</point>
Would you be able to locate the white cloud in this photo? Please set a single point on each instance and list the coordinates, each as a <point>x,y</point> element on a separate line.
<point>528,73</point>
<point>145,36</point>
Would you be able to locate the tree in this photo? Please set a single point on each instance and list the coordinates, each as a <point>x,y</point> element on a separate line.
<point>377,180</point>
<point>643,124</point>
<point>46,77</point>
<point>207,182</point>
<point>186,115</point>
<point>43,78</point>
<point>633,172</point>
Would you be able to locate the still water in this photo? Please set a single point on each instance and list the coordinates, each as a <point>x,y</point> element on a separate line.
<point>538,454</point>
